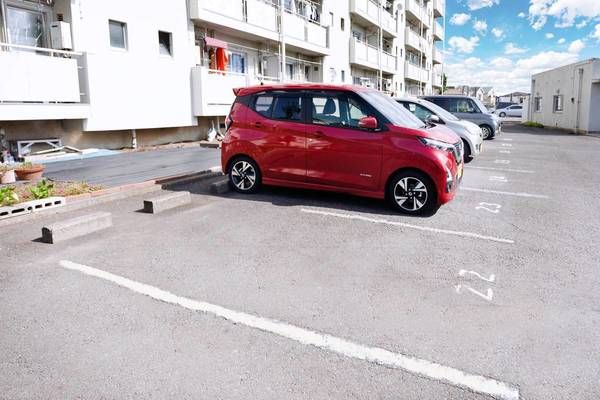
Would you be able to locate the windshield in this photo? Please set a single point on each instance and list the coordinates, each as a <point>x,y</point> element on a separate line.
<point>393,111</point>
<point>439,110</point>
<point>481,106</point>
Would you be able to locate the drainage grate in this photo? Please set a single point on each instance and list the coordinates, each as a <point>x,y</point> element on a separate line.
<point>31,206</point>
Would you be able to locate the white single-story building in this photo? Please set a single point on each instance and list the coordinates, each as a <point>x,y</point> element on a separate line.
<point>567,97</point>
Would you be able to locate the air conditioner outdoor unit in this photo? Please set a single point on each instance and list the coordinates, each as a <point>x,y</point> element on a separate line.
<point>60,35</point>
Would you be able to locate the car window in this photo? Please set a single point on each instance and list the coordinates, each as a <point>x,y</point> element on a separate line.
<point>418,110</point>
<point>465,106</point>
<point>518,107</point>
<point>390,109</point>
<point>337,110</point>
<point>264,105</point>
<point>288,107</point>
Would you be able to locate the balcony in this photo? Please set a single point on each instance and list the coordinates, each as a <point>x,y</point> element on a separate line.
<point>437,80</point>
<point>39,83</point>
<point>368,12</point>
<point>438,31</point>
<point>254,18</point>
<point>415,73</point>
<point>439,8</point>
<point>413,39</point>
<point>438,57</point>
<point>305,34</point>
<point>366,55</point>
<point>416,10</point>
<point>212,91</point>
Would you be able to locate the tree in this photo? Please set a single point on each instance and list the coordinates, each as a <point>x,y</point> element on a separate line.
<point>444,83</point>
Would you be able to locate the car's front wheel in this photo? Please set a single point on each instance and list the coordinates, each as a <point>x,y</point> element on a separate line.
<point>412,192</point>
<point>502,114</point>
<point>487,131</point>
<point>244,175</point>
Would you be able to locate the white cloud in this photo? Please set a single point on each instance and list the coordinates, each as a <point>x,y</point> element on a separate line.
<point>563,11</point>
<point>504,75</point>
<point>596,33</point>
<point>501,62</point>
<point>561,40</point>
<point>511,48</point>
<point>522,15</point>
<point>549,35</point>
<point>460,19</point>
<point>576,46</point>
<point>477,4</point>
<point>480,26</point>
<point>582,24</point>
<point>463,45</point>
<point>472,62</point>
<point>497,32</point>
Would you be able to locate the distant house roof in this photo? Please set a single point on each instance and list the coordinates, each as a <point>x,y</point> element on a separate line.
<point>515,94</point>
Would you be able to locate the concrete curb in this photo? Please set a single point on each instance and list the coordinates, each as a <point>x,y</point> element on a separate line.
<point>115,193</point>
<point>76,227</point>
<point>166,202</point>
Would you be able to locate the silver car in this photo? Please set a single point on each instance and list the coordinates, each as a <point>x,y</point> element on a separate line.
<point>471,134</point>
<point>470,109</point>
<point>516,110</point>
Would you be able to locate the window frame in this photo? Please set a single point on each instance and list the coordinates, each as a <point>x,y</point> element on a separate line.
<point>537,104</point>
<point>43,9</point>
<point>125,35</point>
<point>372,112</point>
<point>170,48</point>
<point>281,93</point>
<point>555,99</point>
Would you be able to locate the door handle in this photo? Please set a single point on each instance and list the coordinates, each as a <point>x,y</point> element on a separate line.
<point>318,134</point>
<point>257,124</point>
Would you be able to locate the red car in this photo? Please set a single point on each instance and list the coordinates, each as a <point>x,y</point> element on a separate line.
<point>339,138</point>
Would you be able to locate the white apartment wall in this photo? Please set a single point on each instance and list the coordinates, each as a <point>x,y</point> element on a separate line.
<point>565,81</point>
<point>136,88</point>
<point>339,41</point>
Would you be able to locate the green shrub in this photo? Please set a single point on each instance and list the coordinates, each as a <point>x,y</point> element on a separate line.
<point>42,190</point>
<point>8,197</point>
<point>532,124</point>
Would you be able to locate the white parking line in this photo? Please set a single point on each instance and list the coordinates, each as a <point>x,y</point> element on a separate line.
<point>505,139</point>
<point>374,355</point>
<point>518,194</point>
<point>523,171</point>
<point>404,225</point>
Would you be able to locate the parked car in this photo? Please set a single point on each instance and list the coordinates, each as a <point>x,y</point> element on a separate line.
<point>516,110</point>
<point>428,112</point>
<point>470,109</point>
<point>501,104</point>
<point>339,138</point>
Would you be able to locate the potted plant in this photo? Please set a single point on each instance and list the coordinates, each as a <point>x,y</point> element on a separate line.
<point>29,172</point>
<point>7,173</point>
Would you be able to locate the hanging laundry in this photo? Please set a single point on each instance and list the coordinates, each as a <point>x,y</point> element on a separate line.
<point>222,59</point>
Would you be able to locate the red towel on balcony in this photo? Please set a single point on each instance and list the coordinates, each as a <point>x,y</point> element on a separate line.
<point>222,59</point>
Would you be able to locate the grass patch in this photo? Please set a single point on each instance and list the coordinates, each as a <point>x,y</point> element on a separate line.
<point>532,124</point>
<point>32,191</point>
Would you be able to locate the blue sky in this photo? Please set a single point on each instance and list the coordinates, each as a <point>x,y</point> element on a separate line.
<point>500,43</point>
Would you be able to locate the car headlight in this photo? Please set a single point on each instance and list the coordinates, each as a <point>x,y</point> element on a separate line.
<point>437,144</point>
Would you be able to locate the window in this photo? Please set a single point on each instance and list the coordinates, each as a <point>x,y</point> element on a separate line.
<point>263,105</point>
<point>118,34</point>
<point>537,104</point>
<point>26,27</point>
<point>342,23</point>
<point>418,110</point>
<point>337,110</point>
<point>343,76</point>
<point>288,107</point>
<point>237,62</point>
<point>165,43</point>
<point>557,103</point>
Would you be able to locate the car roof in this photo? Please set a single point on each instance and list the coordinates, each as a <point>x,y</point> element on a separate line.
<point>449,96</point>
<point>407,98</point>
<point>297,86</point>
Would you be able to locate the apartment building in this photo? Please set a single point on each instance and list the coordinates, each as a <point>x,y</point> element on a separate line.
<point>115,74</point>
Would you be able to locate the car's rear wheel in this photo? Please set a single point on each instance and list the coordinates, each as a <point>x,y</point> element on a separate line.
<point>487,131</point>
<point>412,192</point>
<point>467,152</point>
<point>502,114</point>
<point>244,175</point>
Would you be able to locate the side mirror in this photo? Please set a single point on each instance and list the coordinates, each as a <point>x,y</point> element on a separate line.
<point>433,119</point>
<point>368,123</point>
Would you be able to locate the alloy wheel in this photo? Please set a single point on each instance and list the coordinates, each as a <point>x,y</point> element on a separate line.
<point>410,194</point>
<point>487,132</point>
<point>243,175</point>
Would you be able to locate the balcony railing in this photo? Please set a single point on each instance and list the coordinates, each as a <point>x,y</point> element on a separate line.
<point>368,55</point>
<point>304,30</point>
<point>438,31</point>
<point>415,72</point>
<point>438,57</point>
<point>418,10</point>
<point>439,8</point>
<point>369,10</point>
<point>437,80</point>
<point>413,39</point>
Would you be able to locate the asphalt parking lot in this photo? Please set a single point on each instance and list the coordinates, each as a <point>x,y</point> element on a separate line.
<point>291,294</point>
